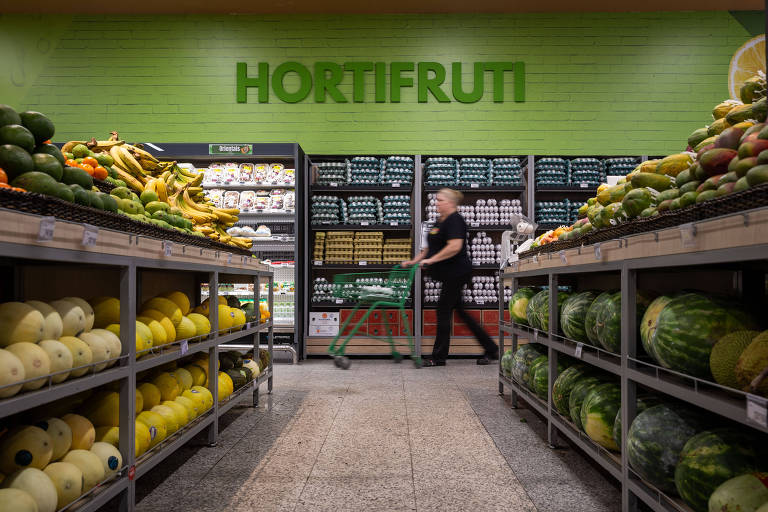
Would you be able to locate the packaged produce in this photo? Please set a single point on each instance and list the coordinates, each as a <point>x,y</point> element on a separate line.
<point>214,175</point>
<point>260,173</point>
<point>289,177</point>
<point>275,174</point>
<point>231,199</point>
<point>231,173</point>
<point>247,200</point>
<point>246,173</point>
<point>216,196</point>
<point>289,200</point>
<point>277,201</point>
<point>262,200</point>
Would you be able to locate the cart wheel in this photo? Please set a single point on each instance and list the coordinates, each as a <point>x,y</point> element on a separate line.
<point>397,357</point>
<point>417,362</point>
<point>342,362</point>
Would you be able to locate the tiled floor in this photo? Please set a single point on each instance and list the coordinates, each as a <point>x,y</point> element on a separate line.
<point>379,436</point>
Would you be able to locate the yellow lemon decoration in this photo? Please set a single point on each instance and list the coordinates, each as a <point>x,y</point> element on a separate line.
<point>745,63</point>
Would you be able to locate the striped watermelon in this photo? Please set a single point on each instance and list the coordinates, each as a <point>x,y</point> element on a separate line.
<point>574,313</point>
<point>743,493</point>
<point>578,394</point>
<point>598,414</point>
<point>518,305</point>
<point>564,383</point>
<point>608,322</point>
<point>534,309</point>
<point>711,458</point>
<point>689,326</point>
<point>643,402</point>
<point>655,440</point>
<point>523,358</point>
<point>590,320</point>
<point>541,378</point>
<point>537,363</point>
<point>506,363</point>
<point>544,313</point>
<point>648,323</point>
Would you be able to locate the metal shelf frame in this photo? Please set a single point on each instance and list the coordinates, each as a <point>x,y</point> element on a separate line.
<point>631,370</point>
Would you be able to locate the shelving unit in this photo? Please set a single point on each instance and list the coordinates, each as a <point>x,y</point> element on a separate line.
<point>731,246</point>
<point>133,268</point>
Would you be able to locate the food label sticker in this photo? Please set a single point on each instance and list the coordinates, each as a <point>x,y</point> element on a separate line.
<point>688,235</point>
<point>395,185</point>
<point>364,223</point>
<point>393,223</point>
<point>757,410</point>
<point>480,302</point>
<point>167,248</point>
<point>598,252</point>
<point>184,347</point>
<point>515,266</point>
<point>363,263</point>
<point>474,224</point>
<point>318,263</point>
<point>474,185</point>
<point>563,258</point>
<point>583,185</point>
<point>579,348</point>
<point>339,301</point>
<point>47,227</point>
<point>334,184</point>
<point>90,235</point>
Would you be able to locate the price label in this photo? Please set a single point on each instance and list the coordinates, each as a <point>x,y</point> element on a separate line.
<point>334,184</point>
<point>363,263</point>
<point>167,248</point>
<point>47,227</point>
<point>480,302</point>
<point>757,410</point>
<point>688,235</point>
<point>535,335</point>
<point>583,185</point>
<point>515,266</point>
<point>339,301</point>
<point>90,235</point>
<point>318,263</point>
<point>132,473</point>
<point>393,223</point>
<point>563,258</point>
<point>474,185</point>
<point>364,223</point>
<point>474,224</point>
<point>229,259</point>
<point>184,346</point>
<point>535,258</point>
<point>598,252</point>
<point>395,185</point>
<point>579,348</point>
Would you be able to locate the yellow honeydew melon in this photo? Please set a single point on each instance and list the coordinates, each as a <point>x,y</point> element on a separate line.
<point>182,413</point>
<point>143,343</point>
<point>253,366</point>
<point>100,349</point>
<point>68,480</point>
<point>199,399</point>
<point>202,324</point>
<point>60,433</point>
<point>226,386</point>
<point>53,325</point>
<point>90,464</point>
<point>145,332</point>
<point>168,386</point>
<point>151,394</point>
<point>156,424</point>
<point>72,316</point>
<point>81,355</point>
<point>194,408</point>
<point>170,330</point>
<point>103,409</point>
<point>169,416</point>
<point>239,317</point>
<point>35,360</point>
<point>16,500</point>
<point>87,311</point>
<point>83,433</point>
<point>20,322</point>
<point>198,374</point>
<point>37,484</point>
<point>184,377</point>
<point>60,358</point>
<point>25,447</point>
<point>109,435</point>
<point>159,336</point>
<point>139,401</point>
<point>186,329</point>
<point>207,395</point>
<point>106,311</point>
<point>115,346</point>
<point>110,457</point>
<point>180,299</point>
<point>166,307</point>
<point>11,371</point>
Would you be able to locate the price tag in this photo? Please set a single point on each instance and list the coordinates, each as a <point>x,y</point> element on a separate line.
<point>598,252</point>
<point>688,235</point>
<point>229,259</point>
<point>167,248</point>
<point>363,263</point>
<point>132,473</point>
<point>757,410</point>
<point>480,302</point>
<point>474,224</point>
<point>474,185</point>
<point>583,185</point>
<point>393,223</point>
<point>318,263</point>
<point>364,223</point>
<point>334,184</point>
<point>579,348</point>
<point>395,185</point>
<point>535,258</point>
<point>90,235</point>
<point>339,301</point>
<point>184,346</point>
<point>515,266</point>
<point>47,227</point>
<point>563,258</point>
<point>535,335</point>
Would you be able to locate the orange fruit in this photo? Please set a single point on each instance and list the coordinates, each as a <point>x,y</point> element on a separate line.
<point>745,63</point>
<point>71,163</point>
<point>100,173</point>
<point>87,168</point>
<point>3,176</point>
<point>89,160</point>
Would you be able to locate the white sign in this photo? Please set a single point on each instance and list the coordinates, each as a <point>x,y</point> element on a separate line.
<point>90,235</point>
<point>47,227</point>
<point>318,263</point>
<point>395,185</point>
<point>184,347</point>
<point>584,185</point>
<point>168,248</point>
<point>363,263</point>
<point>579,348</point>
<point>598,252</point>
<point>563,258</point>
<point>474,185</point>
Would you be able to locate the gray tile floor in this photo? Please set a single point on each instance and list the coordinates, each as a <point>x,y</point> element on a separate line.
<point>379,436</point>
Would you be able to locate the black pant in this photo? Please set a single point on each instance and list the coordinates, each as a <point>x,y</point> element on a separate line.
<point>450,298</point>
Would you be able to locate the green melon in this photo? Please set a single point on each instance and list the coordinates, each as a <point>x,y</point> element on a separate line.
<point>518,305</point>
<point>743,493</point>
<point>578,394</point>
<point>238,379</point>
<point>41,127</point>
<point>534,308</point>
<point>529,379</point>
<point>649,321</point>
<point>17,135</point>
<point>52,150</point>
<point>506,363</point>
<point>48,164</point>
<point>608,321</point>
<point>564,383</point>
<point>643,402</point>
<point>15,160</point>
<point>541,378</point>
<point>574,313</point>
<point>598,414</point>
<point>38,182</point>
<point>725,354</point>
<point>590,320</point>
<point>8,115</point>
<point>523,358</point>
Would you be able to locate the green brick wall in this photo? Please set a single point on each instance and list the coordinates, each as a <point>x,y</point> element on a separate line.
<point>634,83</point>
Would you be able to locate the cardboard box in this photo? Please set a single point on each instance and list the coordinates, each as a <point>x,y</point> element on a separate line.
<point>430,316</point>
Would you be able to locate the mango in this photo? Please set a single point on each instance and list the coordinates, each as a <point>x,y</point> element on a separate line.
<point>716,161</point>
<point>757,175</point>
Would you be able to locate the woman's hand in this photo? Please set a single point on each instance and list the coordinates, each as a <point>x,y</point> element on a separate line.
<point>406,264</point>
<point>426,262</point>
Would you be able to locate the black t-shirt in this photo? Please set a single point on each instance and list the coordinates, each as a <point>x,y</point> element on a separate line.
<point>458,265</point>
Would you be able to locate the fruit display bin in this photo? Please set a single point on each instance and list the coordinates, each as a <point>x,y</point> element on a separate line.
<point>717,251</point>
<point>46,258</point>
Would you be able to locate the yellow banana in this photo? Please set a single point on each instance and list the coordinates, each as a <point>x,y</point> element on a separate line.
<point>67,148</point>
<point>143,154</point>
<point>195,190</point>
<point>130,161</point>
<point>129,180</point>
<point>229,211</point>
<point>196,216</point>
<point>151,185</point>
<point>193,205</point>
<point>186,172</point>
<point>162,192</point>
<point>117,156</point>
<point>106,145</point>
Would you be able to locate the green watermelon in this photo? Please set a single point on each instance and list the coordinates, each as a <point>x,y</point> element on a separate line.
<point>523,358</point>
<point>534,310</point>
<point>656,438</point>
<point>578,394</point>
<point>712,457</point>
<point>537,363</point>
<point>608,321</point>
<point>590,320</point>
<point>574,313</point>
<point>689,326</point>
<point>648,323</point>
<point>506,363</point>
<point>743,493</point>
<point>643,402</point>
<point>564,383</point>
<point>598,413</point>
<point>541,378</point>
<point>518,305</point>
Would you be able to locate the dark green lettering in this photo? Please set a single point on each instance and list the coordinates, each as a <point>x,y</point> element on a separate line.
<point>431,84</point>
<point>381,82</point>
<point>458,90</point>
<point>396,82</point>
<point>244,82</point>
<point>305,82</point>
<point>358,78</point>
<point>519,72</point>
<point>324,83</point>
<point>498,69</point>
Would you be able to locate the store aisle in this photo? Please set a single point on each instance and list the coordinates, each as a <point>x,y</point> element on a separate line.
<point>379,436</point>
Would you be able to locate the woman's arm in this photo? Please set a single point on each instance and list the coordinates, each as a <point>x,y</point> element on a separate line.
<point>415,260</point>
<point>450,250</point>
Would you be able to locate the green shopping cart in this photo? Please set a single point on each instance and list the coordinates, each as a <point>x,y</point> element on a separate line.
<point>375,290</point>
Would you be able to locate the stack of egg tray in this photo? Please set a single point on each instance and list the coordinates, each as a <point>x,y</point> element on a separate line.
<point>554,212</point>
<point>587,171</point>
<point>339,247</point>
<point>328,210</point>
<point>368,246</point>
<point>506,172</point>
<point>332,172</point>
<point>397,169</point>
<point>474,171</point>
<point>365,170</point>
<point>319,249</point>
<point>440,171</point>
<point>396,250</point>
<point>552,172</point>
<point>364,210</point>
<point>397,210</point>
<point>323,291</point>
<point>574,212</point>
<point>620,166</point>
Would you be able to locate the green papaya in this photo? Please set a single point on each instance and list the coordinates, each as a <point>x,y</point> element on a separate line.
<point>637,200</point>
<point>672,193</point>
<point>657,182</point>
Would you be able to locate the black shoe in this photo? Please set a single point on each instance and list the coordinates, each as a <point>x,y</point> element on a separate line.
<point>483,361</point>
<point>431,362</point>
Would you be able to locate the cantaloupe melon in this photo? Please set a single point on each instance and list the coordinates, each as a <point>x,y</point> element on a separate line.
<point>113,341</point>
<point>156,424</point>
<point>198,374</point>
<point>68,480</point>
<point>139,401</point>
<point>16,500</point>
<point>159,336</point>
<point>169,416</point>
<point>142,437</point>
<point>207,395</point>
<point>184,378</point>
<point>83,433</point>
<point>186,329</point>
<point>194,408</point>
<point>103,410</point>
<point>109,435</point>
<point>25,447</point>
<point>180,299</point>
<point>170,330</point>
<point>202,324</point>
<point>35,360</point>
<point>151,395</point>
<point>53,327</point>
<point>82,355</point>
<point>168,386</point>
<point>166,307</point>
<point>60,434</point>
<point>100,349</point>
<point>90,464</point>
<point>182,414</point>
<point>87,311</point>
<point>20,322</point>
<point>11,371</point>
<point>60,358</point>
<point>106,310</point>
<point>37,484</point>
<point>110,457</point>
<point>72,316</point>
